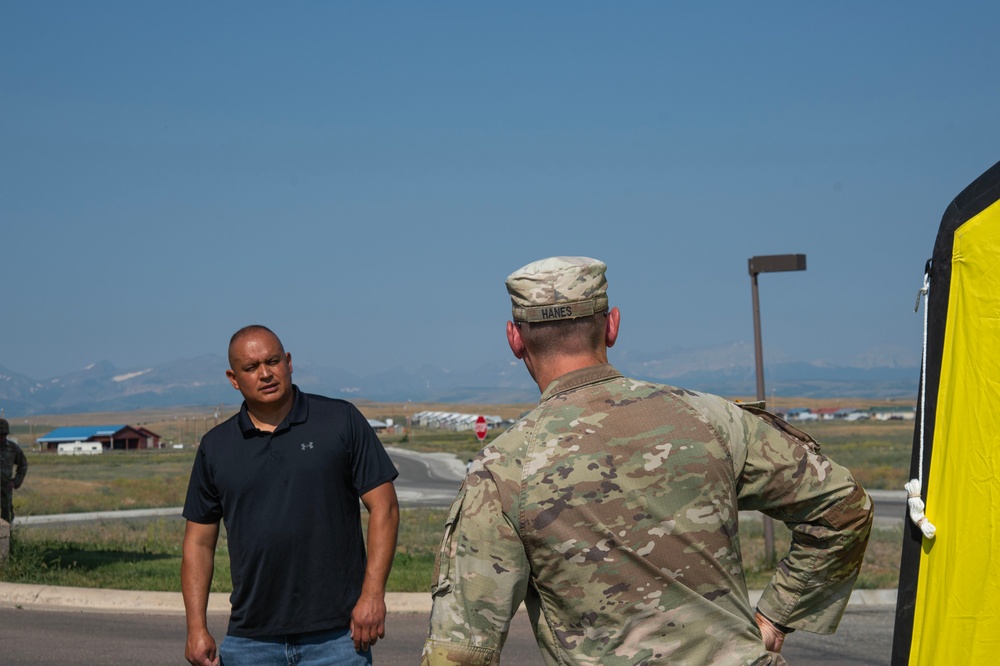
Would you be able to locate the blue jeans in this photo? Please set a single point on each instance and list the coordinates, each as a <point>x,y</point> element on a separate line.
<point>321,648</point>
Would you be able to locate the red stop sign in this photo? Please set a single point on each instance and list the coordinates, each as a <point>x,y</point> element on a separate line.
<point>481,428</point>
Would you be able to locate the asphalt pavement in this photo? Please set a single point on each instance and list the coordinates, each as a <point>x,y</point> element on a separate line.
<point>65,637</point>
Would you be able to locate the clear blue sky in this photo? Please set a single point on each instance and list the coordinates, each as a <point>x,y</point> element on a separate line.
<point>363,176</point>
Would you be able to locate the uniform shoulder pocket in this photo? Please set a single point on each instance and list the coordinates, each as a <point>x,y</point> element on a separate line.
<point>779,423</point>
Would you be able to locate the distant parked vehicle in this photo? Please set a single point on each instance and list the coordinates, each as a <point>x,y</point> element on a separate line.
<point>80,449</point>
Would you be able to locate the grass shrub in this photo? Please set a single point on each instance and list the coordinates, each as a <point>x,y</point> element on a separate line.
<point>145,554</point>
<point>116,554</point>
<point>420,533</point>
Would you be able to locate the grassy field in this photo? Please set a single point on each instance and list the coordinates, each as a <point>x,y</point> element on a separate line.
<point>145,554</point>
<point>110,482</point>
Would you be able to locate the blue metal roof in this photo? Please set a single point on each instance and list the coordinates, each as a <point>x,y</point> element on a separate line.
<point>80,433</point>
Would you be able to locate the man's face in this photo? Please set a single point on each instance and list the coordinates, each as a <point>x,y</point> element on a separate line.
<point>260,370</point>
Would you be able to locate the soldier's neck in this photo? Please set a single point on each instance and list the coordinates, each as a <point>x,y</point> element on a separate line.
<point>554,367</point>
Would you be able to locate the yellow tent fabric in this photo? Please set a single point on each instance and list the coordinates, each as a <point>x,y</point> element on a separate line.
<point>957,618</point>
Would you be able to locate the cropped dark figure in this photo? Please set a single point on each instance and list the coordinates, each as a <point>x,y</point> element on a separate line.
<point>11,456</point>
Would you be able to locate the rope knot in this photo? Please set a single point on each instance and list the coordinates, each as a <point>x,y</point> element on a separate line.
<point>916,507</point>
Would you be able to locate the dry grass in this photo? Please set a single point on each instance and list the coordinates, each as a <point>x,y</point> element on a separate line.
<point>144,554</point>
<point>109,482</point>
<point>137,555</point>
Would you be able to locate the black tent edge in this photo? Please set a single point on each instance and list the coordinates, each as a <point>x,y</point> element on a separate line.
<point>973,200</point>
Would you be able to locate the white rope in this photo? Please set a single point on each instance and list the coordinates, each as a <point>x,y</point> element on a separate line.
<point>913,487</point>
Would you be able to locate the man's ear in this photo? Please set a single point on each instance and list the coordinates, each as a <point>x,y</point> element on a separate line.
<point>611,327</point>
<point>288,357</point>
<point>232,379</point>
<point>515,340</point>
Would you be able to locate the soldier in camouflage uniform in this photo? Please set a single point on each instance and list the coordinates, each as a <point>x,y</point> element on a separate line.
<point>11,456</point>
<point>612,509</point>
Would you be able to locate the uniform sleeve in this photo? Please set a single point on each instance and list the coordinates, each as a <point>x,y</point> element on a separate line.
<point>480,578</point>
<point>830,515</point>
<point>22,467</point>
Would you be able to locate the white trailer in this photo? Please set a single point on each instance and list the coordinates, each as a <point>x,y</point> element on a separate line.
<point>80,449</point>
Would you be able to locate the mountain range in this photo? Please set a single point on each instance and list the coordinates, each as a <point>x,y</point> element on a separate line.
<point>726,370</point>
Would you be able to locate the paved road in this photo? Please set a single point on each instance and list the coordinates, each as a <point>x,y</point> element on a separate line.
<point>426,479</point>
<point>70,638</point>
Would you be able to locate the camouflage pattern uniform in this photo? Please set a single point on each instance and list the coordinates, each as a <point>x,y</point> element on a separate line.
<point>11,456</point>
<point>611,511</point>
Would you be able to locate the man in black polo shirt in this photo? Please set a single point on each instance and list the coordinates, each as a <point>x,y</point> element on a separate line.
<point>286,474</point>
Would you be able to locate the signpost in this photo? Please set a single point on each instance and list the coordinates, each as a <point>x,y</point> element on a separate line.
<point>481,428</point>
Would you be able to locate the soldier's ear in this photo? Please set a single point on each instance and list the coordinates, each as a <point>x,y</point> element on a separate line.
<point>611,327</point>
<point>515,340</point>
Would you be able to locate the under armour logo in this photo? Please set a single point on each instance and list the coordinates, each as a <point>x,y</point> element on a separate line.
<point>307,446</point>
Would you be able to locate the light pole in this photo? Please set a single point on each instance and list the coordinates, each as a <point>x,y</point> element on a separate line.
<point>768,263</point>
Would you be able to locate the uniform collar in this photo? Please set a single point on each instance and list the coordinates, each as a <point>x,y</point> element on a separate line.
<point>298,414</point>
<point>592,374</point>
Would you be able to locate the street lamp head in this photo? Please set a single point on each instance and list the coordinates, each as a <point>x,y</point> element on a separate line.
<point>768,263</point>
<point>775,263</point>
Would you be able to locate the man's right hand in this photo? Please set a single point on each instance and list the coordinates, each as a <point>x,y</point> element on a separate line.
<point>773,637</point>
<point>200,650</point>
<point>197,566</point>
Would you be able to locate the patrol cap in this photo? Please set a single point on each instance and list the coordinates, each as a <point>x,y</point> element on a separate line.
<point>4,427</point>
<point>558,288</point>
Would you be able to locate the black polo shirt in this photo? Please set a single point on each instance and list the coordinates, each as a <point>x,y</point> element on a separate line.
<point>290,503</point>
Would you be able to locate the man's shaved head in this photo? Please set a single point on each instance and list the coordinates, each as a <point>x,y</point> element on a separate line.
<point>247,330</point>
